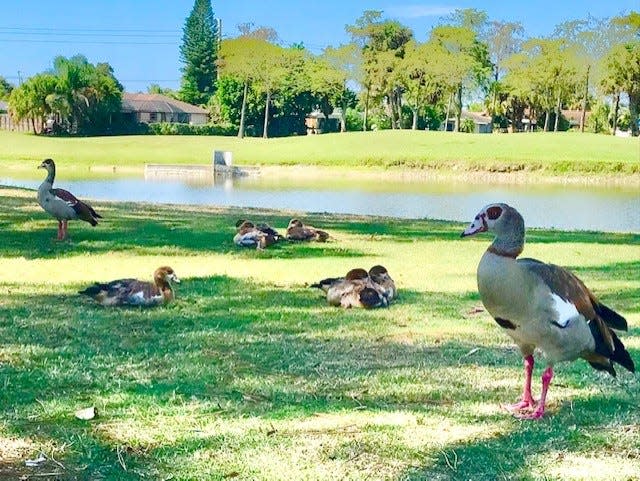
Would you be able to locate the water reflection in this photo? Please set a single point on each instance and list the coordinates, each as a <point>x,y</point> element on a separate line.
<point>551,206</point>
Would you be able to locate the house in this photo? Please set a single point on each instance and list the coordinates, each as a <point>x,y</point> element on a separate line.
<point>316,123</point>
<point>482,123</point>
<point>150,108</point>
<point>573,116</point>
<point>4,107</point>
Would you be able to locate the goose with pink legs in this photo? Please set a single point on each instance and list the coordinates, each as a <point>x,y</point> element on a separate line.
<point>62,204</point>
<point>542,306</point>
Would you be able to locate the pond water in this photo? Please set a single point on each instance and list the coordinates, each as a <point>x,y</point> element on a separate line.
<point>551,206</point>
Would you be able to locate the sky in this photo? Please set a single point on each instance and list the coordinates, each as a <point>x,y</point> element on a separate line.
<point>140,39</point>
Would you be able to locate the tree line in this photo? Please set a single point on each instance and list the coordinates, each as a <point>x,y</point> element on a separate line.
<point>382,78</point>
<point>385,78</point>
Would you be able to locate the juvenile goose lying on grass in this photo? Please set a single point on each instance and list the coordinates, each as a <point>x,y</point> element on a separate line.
<point>377,274</point>
<point>297,231</point>
<point>381,277</point>
<point>250,235</point>
<point>61,204</point>
<point>356,289</point>
<point>542,305</point>
<point>132,292</point>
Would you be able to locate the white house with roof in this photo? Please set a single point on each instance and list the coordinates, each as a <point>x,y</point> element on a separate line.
<point>150,108</point>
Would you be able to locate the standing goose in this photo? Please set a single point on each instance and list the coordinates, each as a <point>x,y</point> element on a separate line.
<point>132,292</point>
<point>297,231</point>
<point>542,306</point>
<point>61,204</point>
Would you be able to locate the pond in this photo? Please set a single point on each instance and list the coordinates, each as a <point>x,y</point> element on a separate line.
<point>567,207</point>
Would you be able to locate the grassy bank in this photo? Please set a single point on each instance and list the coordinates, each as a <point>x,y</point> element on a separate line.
<point>545,153</point>
<point>250,376</point>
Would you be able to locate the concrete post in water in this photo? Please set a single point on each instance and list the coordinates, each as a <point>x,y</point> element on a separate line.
<point>223,162</point>
<point>223,157</point>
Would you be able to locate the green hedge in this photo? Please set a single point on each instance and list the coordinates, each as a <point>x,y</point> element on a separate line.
<point>166,128</point>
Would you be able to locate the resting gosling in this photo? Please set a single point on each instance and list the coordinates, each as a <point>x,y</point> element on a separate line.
<point>132,292</point>
<point>356,290</point>
<point>297,231</point>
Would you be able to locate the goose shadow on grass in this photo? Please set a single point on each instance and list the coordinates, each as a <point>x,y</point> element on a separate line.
<point>593,427</point>
<point>243,347</point>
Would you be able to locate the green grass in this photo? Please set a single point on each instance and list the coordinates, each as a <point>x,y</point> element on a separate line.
<point>547,153</point>
<point>249,375</point>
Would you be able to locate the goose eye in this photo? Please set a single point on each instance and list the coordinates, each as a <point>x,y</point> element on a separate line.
<point>494,212</point>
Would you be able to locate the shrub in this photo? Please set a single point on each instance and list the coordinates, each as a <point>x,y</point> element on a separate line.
<point>167,128</point>
<point>353,120</point>
<point>467,125</point>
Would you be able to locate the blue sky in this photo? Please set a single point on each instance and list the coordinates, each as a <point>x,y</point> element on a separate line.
<point>141,38</point>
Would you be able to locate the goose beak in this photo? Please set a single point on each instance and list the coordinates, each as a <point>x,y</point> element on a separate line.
<point>477,226</point>
<point>42,166</point>
<point>175,279</point>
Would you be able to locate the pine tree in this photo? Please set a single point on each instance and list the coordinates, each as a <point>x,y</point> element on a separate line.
<point>199,52</point>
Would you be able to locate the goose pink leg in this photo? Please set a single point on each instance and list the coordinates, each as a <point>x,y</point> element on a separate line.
<point>64,228</point>
<point>527,403</point>
<point>60,231</point>
<point>547,375</point>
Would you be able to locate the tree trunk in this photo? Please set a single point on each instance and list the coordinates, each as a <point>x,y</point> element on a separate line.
<point>366,110</point>
<point>398,96</point>
<point>33,125</point>
<point>459,108</point>
<point>634,101</point>
<point>266,115</point>
<point>546,120</point>
<point>446,120</point>
<point>414,123</point>
<point>583,114</point>
<point>557,120</point>
<point>343,119</point>
<point>243,110</point>
<point>616,106</point>
<point>392,103</point>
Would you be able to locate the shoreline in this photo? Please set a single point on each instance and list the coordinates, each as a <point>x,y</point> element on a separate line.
<point>408,175</point>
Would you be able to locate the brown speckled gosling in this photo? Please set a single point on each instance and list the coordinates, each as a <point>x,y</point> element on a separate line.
<point>250,235</point>
<point>356,290</point>
<point>132,292</point>
<point>297,231</point>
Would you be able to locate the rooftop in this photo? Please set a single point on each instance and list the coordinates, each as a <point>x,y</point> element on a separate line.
<point>157,103</point>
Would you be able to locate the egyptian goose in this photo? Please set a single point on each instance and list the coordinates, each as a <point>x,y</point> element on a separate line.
<point>61,204</point>
<point>297,231</point>
<point>377,274</point>
<point>381,277</point>
<point>132,292</point>
<point>249,235</point>
<point>542,306</point>
<point>354,290</point>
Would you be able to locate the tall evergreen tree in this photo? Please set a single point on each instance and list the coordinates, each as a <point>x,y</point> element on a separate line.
<point>199,53</point>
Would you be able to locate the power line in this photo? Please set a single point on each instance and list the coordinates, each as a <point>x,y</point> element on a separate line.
<point>16,77</point>
<point>87,42</point>
<point>78,34</point>
<point>106,30</point>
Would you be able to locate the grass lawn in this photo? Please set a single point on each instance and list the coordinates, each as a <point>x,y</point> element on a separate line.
<point>546,153</point>
<point>249,375</point>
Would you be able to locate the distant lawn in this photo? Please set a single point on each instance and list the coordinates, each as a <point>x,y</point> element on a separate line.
<point>249,375</point>
<point>546,153</point>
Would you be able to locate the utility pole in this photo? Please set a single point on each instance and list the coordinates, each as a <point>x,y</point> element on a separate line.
<point>19,78</point>
<point>219,42</point>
